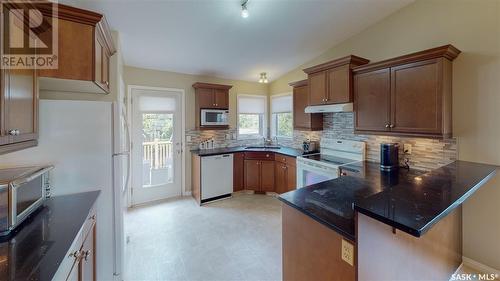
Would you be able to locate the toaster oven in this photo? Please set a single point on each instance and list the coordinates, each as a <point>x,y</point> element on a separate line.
<point>22,192</point>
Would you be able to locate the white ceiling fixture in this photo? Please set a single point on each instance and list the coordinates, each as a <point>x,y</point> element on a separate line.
<point>244,9</point>
<point>263,78</point>
<point>209,37</point>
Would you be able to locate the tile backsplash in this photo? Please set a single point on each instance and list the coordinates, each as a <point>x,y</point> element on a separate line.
<point>426,154</point>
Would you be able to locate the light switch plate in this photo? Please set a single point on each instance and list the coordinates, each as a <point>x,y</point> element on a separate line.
<point>347,252</point>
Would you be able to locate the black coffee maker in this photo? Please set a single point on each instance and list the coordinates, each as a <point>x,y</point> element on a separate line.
<point>389,156</point>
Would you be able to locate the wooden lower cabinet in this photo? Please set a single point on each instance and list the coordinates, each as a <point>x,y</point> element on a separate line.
<point>267,176</point>
<point>285,176</point>
<point>280,177</point>
<point>87,262</point>
<point>80,261</point>
<point>291,177</point>
<point>238,171</point>
<point>259,175</point>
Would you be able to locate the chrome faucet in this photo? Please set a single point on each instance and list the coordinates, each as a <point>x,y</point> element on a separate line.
<point>276,140</point>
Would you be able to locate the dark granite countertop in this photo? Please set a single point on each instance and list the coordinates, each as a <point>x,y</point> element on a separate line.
<point>288,151</point>
<point>36,249</point>
<point>409,200</point>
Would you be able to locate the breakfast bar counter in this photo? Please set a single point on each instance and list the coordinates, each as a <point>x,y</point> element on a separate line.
<point>385,217</point>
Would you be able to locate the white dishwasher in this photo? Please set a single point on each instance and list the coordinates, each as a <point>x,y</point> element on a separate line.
<point>216,177</point>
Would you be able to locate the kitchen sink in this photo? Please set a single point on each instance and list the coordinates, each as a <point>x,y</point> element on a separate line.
<point>263,147</point>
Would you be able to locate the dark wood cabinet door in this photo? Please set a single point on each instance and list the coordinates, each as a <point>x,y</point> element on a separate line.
<point>291,177</point>
<point>205,98</point>
<point>300,102</point>
<point>21,105</point>
<point>238,171</point>
<point>317,88</point>
<point>105,69</point>
<point>339,85</point>
<point>416,97</point>
<point>252,175</point>
<point>267,175</point>
<point>87,262</point>
<point>4,87</point>
<point>221,98</point>
<point>280,177</point>
<point>372,100</point>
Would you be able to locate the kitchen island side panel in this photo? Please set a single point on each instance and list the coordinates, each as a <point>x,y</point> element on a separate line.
<point>385,255</point>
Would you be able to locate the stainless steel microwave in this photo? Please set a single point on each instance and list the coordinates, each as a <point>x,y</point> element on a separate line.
<point>22,192</point>
<point>214,117</point>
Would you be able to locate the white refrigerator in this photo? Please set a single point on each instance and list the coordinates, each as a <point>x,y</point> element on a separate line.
<point>87,142</point>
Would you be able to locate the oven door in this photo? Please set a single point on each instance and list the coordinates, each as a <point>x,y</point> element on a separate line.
<point>210,117</point>
<point>312,174</point>
<point>27,194</point>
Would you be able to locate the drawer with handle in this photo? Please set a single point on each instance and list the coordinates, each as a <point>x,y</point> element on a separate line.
<point>285,159</point>
<point>259,155</point>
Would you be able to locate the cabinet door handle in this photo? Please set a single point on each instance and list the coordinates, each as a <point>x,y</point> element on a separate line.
<point>392,126</point>
<point>76,255</point>
<point>86,255</point>
<point>14,132</point>
<point>387,125</point>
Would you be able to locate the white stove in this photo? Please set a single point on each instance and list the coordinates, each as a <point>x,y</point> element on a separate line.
<point>324,166</point>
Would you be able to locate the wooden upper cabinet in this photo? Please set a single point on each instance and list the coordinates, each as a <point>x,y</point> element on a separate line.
<point>331,82</point>
<point>411,94</point>
<point>205,98</point>
<point>372,100</point>
<point>221,98</point>
<point>18,109</point>
<point>317,88</point>
<point>339,84</point>
<point>85,47</point>
<point>302,120</point>
<point>416,97</point>
<point>210,96</point>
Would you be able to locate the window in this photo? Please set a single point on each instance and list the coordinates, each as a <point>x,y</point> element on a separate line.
<point>251,116</point>
<point>282,117</point>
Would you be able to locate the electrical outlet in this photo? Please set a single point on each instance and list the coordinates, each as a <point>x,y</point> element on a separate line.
<point>407,148</point>
<point>188,138</point>
<point>347,252</point>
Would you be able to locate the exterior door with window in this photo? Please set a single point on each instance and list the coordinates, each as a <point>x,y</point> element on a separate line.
<point>157,147</point>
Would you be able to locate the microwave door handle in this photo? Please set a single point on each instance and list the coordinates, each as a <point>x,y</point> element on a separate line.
<point>31,177</point>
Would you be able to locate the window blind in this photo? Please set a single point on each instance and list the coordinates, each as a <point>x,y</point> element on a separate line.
<point>281,104</point>
<point>251,105</point>
<point>156,103</point>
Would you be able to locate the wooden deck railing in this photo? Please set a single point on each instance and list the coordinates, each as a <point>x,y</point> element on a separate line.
<point>157,152</point>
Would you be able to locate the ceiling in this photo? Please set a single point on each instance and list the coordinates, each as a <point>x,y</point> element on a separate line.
<point>209,37</point>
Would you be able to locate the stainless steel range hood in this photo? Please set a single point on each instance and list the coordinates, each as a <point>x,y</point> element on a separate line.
<point>341,107</point>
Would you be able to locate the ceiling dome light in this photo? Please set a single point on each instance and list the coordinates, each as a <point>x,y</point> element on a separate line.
<point>263,78</point>
<point>244,10</point>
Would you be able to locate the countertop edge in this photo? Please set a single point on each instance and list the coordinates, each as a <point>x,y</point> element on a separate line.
<point>237,149</point>
<point>419,232</point>
<point>345,235</point>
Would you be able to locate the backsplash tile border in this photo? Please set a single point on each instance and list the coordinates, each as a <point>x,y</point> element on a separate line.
<point>427,154</point>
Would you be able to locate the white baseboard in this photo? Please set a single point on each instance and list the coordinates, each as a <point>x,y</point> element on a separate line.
<point>479,266</point>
